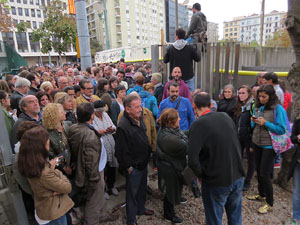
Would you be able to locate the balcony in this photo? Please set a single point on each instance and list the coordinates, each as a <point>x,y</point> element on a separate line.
<point>118,15</point>
<point>118,23</point>
<point>117,6</point>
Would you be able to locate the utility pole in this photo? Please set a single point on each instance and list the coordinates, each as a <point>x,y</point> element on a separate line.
<point>176,13</point>
<point>83,34</point>
<point>262,19</point>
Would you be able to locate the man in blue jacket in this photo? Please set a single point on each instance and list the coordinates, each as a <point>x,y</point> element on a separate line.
<point>183,106</point>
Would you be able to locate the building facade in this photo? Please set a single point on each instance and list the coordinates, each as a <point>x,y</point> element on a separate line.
<point>31,12</point>
<point>120,23</point>
<point>212,32</point>
<point>247,29</point>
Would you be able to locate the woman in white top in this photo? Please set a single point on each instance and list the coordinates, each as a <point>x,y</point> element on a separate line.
<point>104,125</point>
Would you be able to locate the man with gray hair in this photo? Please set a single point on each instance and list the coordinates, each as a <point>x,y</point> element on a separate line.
<point>62,83</point>
<point>132,150</point>
<point>30,108</point>
<point>22,87</point>
<point>107,72</point>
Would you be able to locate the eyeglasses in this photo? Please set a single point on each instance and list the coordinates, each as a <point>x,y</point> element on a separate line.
<point>89,88</point>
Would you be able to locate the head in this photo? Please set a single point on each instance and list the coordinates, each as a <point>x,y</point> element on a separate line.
<point>26,125</point>
<point>120,75</point>
<point>228,92</point>
<point>85,112</point>
<point>86,87</point>
<point>60,73</point>
<point>244,94</point>
<point>173,90</point>
<point>169,118</point>
<point>202,101</point>
<point>282,84</point>
<point>77,90</point>
<point>113,82</point>
<point>34,151</point>
<point>22,85</point>
<point>266,96</point>
<point>53,116</point>
<point>102,85</point>
<point>139,79</point>
<point>34,79</point>
<point>47,87</point>
<point>133,106</point>
<point>70,72</point>
<point>4,99</point>
<point>30,105</point>
<point>23,73</point>
<point>99,108</point>
<point>120,92</point>
<point>149,87</point>
<point>65,100</point>
<point>10,79</point>
<point>259,78</point>
<point>107,71</point>
<point>156,78</point>
<point>176,74</point>
<point>43,98</point>
<point>70,91</point>
<point>4,86</point>
<point>62,83</point>
<point>180,34</point>
<point>270,78</point>
<point>51,80</point>
<point>196,7</point>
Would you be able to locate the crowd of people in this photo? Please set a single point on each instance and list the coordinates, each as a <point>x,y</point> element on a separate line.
<point>72,131</point>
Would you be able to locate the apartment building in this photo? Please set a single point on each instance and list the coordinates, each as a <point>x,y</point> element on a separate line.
<point>30,11</point>
<point>212,32</point>
<point>120,23</point>
<point>247,29</point>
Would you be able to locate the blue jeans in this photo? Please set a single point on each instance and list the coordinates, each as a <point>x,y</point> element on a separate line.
<point>216,198</point>
<point>136,190</point>
<point>60,221</point>
<point>191,83</point>
<point>296,193</point>
<point>190,40</point>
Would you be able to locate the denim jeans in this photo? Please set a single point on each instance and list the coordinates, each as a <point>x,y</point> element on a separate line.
<point>60,221</point>
<point>216,198</point>
<point>191,83</point>
<point>136,190</point>
<point>296,192</point>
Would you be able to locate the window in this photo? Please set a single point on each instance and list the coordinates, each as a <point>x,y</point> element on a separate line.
<point>34,45</point>
<point>15,22</point>
<point>40,24</point>
<point>28,23</point>
<point>32,13</point>
<point>26,12</point>
<point>9,38</point>
<point>43,2</point>
<point>11,0</point>
<point>37,2</point>
<point>34,25</point>
<point>13,10</point>
<point>31,2</point>
<point>22,42</point>
<point>24,1</point>
<point>20,11</point>
<point>38,13</point>
<point>18,1</point>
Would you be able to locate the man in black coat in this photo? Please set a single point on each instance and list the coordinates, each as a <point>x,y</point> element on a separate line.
<point>215,157</point>
<point>181,55</point>
<point>132,150</point>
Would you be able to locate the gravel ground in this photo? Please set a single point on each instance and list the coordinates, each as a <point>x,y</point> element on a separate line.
<point>193,212</point>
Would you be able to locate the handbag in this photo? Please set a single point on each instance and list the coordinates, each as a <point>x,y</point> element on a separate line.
<point>187,176</point>
<point>281,142</point>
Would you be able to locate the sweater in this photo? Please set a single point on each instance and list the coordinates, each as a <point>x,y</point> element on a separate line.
<point>214,150</point>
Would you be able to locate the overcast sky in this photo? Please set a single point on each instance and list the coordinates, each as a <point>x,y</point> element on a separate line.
<point>219,11</point>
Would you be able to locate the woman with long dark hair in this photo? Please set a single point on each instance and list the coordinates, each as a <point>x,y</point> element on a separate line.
<point>50,187</point>
<point>171,153</point>
<point>268,116</point>
<point>242,119</point>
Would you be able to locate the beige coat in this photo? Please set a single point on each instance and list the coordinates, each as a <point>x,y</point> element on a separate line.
<point>50,192</point>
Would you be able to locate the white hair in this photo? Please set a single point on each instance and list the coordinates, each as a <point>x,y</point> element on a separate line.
<point>21,81</point>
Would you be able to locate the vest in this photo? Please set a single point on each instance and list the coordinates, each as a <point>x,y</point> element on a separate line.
<point>261,136</point>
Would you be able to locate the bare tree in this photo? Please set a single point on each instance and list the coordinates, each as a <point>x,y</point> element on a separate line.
<point>293,27</point>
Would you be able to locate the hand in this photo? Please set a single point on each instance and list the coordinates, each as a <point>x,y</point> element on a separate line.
<point>251,150</point>
<point>260,121</point>
<point>54,162</point>
<point>67,170</point>
<point>93,99</point>
<point>55,193</point>
<point>102,132</point>
<point>298,137</point>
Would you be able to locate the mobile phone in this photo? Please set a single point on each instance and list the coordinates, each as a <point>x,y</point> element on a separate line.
<point>254,117</point>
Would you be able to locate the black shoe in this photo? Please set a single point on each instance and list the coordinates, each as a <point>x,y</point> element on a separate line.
<point>196,192</point>
<point>183,200</point>
<point>246,186</point>
<point>175,219</point>
<point>149,190</point>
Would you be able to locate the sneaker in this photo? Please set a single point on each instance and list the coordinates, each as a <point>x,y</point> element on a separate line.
<point>175,220</point>
<point>196,192</point>
<point>183,200</point>
<point>74,218</point>
<point>256,197</point>
<point>115,191</point>
<point>265,209</point>
<point>246,186</point>
<point>276,165</point>
<point>293,222</point>
<point>106,196</point>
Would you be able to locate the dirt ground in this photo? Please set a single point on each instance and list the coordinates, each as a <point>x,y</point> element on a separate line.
<point>193,212</point>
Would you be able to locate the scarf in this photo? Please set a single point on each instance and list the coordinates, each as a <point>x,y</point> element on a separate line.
<point>177,132</point>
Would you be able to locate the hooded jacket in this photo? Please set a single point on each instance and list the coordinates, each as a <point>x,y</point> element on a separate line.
<point>149,101</point>
<point>198,23</point>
